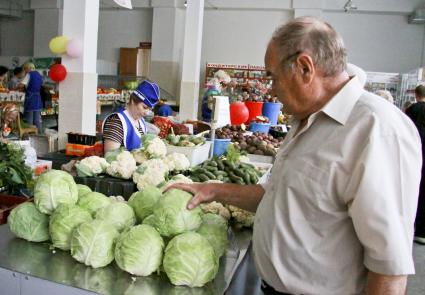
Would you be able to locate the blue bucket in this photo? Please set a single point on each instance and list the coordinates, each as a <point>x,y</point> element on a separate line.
<point>271,110</point>
<point>220,146</point>
<point>260,127</point>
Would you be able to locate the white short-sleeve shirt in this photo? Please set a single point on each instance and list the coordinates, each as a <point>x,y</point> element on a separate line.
<point>341,199</point>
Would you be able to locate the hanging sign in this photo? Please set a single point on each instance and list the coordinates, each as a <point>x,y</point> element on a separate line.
<point>124,3</point>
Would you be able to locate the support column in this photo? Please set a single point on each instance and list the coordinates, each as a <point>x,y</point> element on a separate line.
<point>77,93</point>
<point>189,87</point>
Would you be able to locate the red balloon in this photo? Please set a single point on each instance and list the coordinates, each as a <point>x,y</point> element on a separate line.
<point>57,73</point>
<point>238,113</point>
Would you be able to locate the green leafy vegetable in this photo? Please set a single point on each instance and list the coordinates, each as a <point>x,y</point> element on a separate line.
<point>143,202</point>
<point>63,221</point>
<point>139,250</point>
<point>93,201</point>
<point>119,214</point>
<point>93,243</point>
<point>214,229</point>
<point>26,222</point>
<point>53,188</point>
<point>190,260</point>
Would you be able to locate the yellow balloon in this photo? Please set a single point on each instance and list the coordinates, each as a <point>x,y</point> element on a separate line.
<point>58,44</point>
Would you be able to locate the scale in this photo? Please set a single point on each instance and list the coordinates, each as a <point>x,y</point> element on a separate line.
<point>220,118</point>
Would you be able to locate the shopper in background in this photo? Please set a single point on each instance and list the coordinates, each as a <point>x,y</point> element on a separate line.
<point>218,85</point>
<point>18,75</point>
<point>3,77</point>
<point>32,104</point>
<point>163,109</point>
<point>385,94</point>
<point>336,215</point>
<point>416,112</point>
<point>125,127</point>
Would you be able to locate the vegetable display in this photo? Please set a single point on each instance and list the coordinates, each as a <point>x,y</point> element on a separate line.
<point>53,188</point>
<point>226,171</point>
<point>93,243</point>
<point>26,222</point>
<point>190,260</point>
<point>185,140</point>
<point>63,221</point>
<point>139,250</point>
<point>122,164</point>
<point>91,166</point>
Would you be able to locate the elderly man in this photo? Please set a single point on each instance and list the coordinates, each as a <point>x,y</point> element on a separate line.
<point>337,214</point>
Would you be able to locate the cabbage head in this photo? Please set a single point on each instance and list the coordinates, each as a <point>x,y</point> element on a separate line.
<point>139,250</point>
<point>190,260</point>
<point>143,202</point>
<point>26,222</point>
<point>63,221</point>
<point>171,217</point>
<point>93,243</point>
<point>82,190</point>
<point>119,214</point>
<point>214,229</point>
<point>94,201</point>
<point>53,188</point>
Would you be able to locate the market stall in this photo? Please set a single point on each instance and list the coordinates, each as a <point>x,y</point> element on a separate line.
<point>34,268</point>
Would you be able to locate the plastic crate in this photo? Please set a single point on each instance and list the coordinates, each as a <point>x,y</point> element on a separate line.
<point>196,154</point>
<point>7,203</point>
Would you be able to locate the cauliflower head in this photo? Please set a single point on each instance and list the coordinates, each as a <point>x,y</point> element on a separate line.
<point>91,166</point>
<point>177,161</point>
<point>216,208</point>
<point>148,179</point>
<point>242,217</point>
<point>123,167</point>
<point>140,155</point>
<point>156,148</point>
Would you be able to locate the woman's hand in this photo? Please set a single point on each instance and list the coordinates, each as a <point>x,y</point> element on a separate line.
<point>202,192</point>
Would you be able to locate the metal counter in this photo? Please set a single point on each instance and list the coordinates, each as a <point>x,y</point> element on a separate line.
<point>34,268</point>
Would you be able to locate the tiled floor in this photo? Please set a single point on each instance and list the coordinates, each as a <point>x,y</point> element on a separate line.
<point>416,284</point>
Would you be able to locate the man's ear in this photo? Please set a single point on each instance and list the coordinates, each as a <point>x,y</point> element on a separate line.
<point>305,66</point>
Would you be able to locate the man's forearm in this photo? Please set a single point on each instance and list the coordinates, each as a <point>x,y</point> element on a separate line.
<point>378,284</point>
<point>246,197</point>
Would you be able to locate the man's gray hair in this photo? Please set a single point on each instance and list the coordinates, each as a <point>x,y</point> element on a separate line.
<point>314,37</point>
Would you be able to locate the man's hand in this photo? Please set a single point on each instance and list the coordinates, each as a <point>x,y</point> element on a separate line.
<point>202,193</point>
<point>246,197</point>
<point>378,284</point>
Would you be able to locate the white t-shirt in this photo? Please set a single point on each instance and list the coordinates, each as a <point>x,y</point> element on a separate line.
<point>341,199</point>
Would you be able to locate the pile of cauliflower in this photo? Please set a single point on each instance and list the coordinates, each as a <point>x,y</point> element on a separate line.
<point>91,166</point>
<point>122,165</point>
<point>153,147</point>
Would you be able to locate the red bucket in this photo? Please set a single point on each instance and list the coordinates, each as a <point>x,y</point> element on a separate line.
<point>255,109</point>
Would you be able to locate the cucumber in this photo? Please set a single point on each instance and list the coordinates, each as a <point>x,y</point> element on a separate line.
<point>246,177</point>
<point>202,177</point>
<point>211,168</point>
<point>220,164</point>
<point>195,178</point>
<point>229,164</point>
<point>218,172</point>
<point>235,178</point>
<point>240,172</point>
<point>212,163</point>
<point>209,174</point>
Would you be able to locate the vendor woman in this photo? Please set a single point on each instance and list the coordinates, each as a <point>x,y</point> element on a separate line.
<point>125,127</point>
<point>218,85</point>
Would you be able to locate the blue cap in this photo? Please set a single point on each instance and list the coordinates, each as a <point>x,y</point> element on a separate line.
<point>148,92</point>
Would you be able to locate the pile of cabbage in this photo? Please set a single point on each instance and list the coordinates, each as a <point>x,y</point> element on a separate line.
<point>152,232</point>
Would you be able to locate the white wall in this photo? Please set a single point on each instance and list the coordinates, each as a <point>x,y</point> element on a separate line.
<point>122,28</point>
<point>47,25</point>
<point>17,35</point>
<point>379,42</point>
<point>239,36</point>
